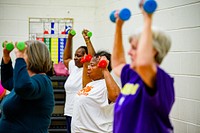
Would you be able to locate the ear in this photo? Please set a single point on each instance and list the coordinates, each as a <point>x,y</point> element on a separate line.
<point>155,52</point>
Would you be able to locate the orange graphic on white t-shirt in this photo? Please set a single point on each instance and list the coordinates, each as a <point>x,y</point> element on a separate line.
<point>85,90</point>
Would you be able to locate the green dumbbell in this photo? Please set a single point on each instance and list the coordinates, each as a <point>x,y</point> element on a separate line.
<point>89,34</point>
<point>72,32</point>
<point>20,46</point>
<point>9,46</point>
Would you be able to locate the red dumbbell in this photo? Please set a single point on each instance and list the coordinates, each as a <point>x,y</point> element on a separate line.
<point>102,64</point>
<point>86,58</point>
<point>83,60</point>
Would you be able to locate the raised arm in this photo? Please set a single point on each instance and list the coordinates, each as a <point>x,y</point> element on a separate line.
<point>6,54</point>
<point>6,69</point>
<point>91,52</point>
<point>88,42</point>
<point>67,55</point>
<point>112,87</point>
<point>85,78</point>
<point>28,83</point>
<point>118,56</point>
<point>145,63</point>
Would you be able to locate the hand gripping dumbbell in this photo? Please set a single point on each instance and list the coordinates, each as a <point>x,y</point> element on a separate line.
<point>149,6</point>
<point>9,46</point>
<point>124,14</point>
<point>88,33</point>
<point>72,32</point>
<point>102,64</point>
<point>20,46</point>
<point>86,58</point>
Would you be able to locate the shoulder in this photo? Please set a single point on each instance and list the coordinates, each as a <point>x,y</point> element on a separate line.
<point>41,79</point>
<point>126,67</point>
<point>126,70</point>
<point>163,76</point>
<point>97,83</point>
<point>71,63</point>
<point>127,74</point>
<point>71,66</point>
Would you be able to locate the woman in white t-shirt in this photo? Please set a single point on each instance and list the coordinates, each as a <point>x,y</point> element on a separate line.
<point>93,106</point>
<point>74,82</point>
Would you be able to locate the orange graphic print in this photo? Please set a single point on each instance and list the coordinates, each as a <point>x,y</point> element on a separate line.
<point>85,90</point>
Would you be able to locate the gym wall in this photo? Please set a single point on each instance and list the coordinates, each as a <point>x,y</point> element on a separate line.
<point>179,18</point>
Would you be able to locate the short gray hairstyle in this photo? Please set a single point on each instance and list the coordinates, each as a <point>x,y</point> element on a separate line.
<point>161,43</point>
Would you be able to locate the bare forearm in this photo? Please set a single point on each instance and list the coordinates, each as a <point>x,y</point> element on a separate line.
<point>90,47</point>
<point>112,87</point>
<point>118,56</point>
<point>145,46</point>
<point>85,78</point>
<point>67,55</point>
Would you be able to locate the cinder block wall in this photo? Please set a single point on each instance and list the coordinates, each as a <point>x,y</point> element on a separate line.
<point>181,20</point>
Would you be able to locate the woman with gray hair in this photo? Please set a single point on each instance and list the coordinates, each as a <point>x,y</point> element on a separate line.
<point>28,107</point>
<point>147,93</point>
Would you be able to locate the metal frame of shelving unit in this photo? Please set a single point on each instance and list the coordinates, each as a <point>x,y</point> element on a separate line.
<point>58,120</point>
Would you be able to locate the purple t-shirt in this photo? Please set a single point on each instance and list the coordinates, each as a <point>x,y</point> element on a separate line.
<point>136,111</point>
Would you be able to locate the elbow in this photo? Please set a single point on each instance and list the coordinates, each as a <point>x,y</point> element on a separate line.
<point>3,84</point>
<point>143,64</point>
<point>115,62</point>
<point>23,89</point>
<point>113,97</point>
